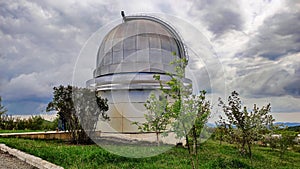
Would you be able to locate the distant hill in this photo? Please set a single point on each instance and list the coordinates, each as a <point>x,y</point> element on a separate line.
<point>212,125</point>
<point>288,124</point>
<point>294,128</point>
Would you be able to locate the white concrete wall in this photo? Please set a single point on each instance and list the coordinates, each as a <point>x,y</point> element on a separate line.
<point>125,107</point>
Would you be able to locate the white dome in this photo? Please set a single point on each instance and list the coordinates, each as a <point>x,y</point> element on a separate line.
<point>139,44</point>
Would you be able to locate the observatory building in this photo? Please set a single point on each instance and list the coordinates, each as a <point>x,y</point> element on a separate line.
<point>128,57</point>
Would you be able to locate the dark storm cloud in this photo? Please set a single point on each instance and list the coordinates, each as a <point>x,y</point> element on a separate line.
<point>37,36</point>
<point>293,87</point>
<point>40,40</point>
<point>265,78</point>
<point>26,107</point>
<point>278,36</point>
<point>39,44</point>
<point>270,65</point>
<point>220,16</point>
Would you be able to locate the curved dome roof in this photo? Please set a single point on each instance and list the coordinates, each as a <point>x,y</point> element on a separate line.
<point>139,44</point>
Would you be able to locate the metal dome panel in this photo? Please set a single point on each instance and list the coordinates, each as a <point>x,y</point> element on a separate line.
<point>138,45</point>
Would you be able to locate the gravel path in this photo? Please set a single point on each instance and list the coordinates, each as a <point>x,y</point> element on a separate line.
<point>8,161</point>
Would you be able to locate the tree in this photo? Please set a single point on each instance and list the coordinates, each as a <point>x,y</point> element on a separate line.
<point>62,103</point>
<point>3,110</point>
<point>190,121</point>
<point>285,141</point>
<point>89,108</point>
<point>35,123</point>
<point>158,117</point>
<point>161,111</point>
<point>220,131</point>
<point>75,105</point>
<point>246,127</point>
<point>202,108</point>
<point>281,138</point>
<point>194,113</point>
<point>186,113</point>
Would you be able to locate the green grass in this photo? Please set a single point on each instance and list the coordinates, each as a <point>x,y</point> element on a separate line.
<point>18,131</point>
<point>212,155</point>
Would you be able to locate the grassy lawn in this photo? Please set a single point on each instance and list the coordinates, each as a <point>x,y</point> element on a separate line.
<point>18,131</point>
<point>212,155</point>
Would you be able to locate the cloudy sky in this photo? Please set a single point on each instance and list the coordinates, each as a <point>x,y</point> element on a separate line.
<point>256,42</point>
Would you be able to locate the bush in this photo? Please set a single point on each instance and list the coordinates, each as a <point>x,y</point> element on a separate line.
<point>32,123</point>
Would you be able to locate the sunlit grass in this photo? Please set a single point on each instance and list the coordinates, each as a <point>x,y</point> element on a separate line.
<point>211,155</point>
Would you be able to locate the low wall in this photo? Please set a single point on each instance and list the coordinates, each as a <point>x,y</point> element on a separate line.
<point>49,135</point>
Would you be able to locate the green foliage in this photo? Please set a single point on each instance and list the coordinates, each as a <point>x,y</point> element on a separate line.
<point>189,111</point>
<point>157,117</point>
<point>19,131</point>
<point>285,141</point>
<point>294,128</point>
<point>191,119</point>
<point>222,132</point>
<point>245,127</point>
<point>79,109</point>
<point>202,112</point>
<point>281,139</point>
<point>3,110</point>
<point>186,113</point>
<point>89,108</point>
<point>223,163</point>
<point>211,154</point>
<point>50,125</point>
<point>161,111</point>
<point>31,123</point>
<point>62,103</point>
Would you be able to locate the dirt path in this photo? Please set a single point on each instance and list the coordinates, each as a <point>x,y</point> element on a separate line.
<point>8,161</point>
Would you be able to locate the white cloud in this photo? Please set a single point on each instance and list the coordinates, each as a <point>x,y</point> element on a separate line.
<point>26,85</point>
<point>278,36</point>
<point>255,43</point>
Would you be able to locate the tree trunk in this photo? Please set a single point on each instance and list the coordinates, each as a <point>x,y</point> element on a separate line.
<point>243,151</point>
<point>157,139</point>
<point>187,143</point>
<point>195,146</point>
<point>195,140</point>
<point>250,152</point>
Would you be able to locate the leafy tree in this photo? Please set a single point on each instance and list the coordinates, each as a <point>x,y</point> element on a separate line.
<point>195,111</point>
<point>158,117</point>
<point>189,123</point>
<point>62,103</point>
<point>271,137</point>
<point>36,122</point>
<point>246,127</point>
<point>281,138</point>
<point>89,108</point>
<point>285,141</point>
<point>78,107</point>
<point>161,111</point>
<point>202,108</point>
<point>220,131</point>
<point>186,113</point>
<point>3,110</point>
